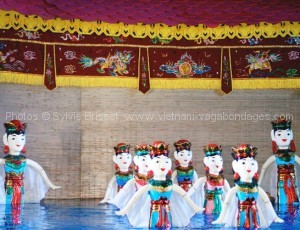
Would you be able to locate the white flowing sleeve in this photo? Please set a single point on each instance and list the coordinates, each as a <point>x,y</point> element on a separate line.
<point>181,212</point>
<point>35,187</point>
<point>198,192</point>
<point>230,219</point>
<point>228,215</point>
<point>139,213</point>
<point>111,191</point>
<point>2,181</point>
<point>226,189</point>
<point>266,211</point>
<point>125,194</point>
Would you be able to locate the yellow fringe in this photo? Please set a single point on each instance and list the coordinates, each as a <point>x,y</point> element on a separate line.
<point>118,82</point>
<point>268,83</point>
<point>185,83</point>
<point>132,82</point>
<point>21,78</point>
<point>16,20</point>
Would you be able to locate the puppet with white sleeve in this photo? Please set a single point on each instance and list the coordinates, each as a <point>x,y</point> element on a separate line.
<point>210,191</point>
<point>141,161</point>
<point>123,164</point>
<point>21,179</point>
<point>281,172</point>
<point>246,205</point>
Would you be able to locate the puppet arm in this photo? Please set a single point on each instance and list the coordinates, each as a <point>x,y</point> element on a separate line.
<point>42,172</point>
<point>228,198</point>
<point>198,182</point>
<point>264,167</point>
<point>268,203</point>
<point>2,161</point>
<point>176,188</point>
<point>131,202</point>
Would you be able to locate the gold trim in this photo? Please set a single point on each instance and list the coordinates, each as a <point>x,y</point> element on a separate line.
<point>150,46</point>
<point>247,190</point>
<point>161,188</point>
<point>54,65</point>
<point>221,68</point>
<point>230,64</point>
<point>16,20</point>
<point>139,68</point>
<point>148,65</point>
<point>45,58</point>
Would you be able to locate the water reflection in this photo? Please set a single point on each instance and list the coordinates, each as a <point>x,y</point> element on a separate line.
<point>290,212</point>
<point>13,214</point>
<point>88,214</point>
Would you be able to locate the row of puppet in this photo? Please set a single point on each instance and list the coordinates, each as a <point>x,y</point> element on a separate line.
<point>163,198</point>
<point>153,196</point>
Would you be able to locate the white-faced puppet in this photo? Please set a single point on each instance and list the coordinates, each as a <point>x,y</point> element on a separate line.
<point>246,204</point>
<point>280,173</point>
<point>21,179</point>
<point>141,161</point>
<point>210,191</point>
<point>123,164</point>
<point>184,174</point>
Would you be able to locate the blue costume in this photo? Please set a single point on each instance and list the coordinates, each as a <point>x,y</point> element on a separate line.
<point>123,178</point>
<point>281,172</point>
<point>160,194</point>
<point>247,194</point>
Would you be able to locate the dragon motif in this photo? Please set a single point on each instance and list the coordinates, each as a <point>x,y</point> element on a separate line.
<point>261,60</point>
<point>116,64</point>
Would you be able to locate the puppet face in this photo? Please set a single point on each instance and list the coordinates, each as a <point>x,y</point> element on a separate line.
<point>15,142</point>
<point>142,162</point>
<point>183,157</point>
<point>160,166</point>
<point>246,168</point>
<point>283,138</point>
<point>123,160</point>
<point>214,163</point>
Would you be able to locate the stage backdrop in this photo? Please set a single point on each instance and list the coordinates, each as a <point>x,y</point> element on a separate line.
<point>98,69</point>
